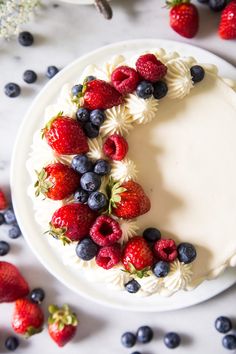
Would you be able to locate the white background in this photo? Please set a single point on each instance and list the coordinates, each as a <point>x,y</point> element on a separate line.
<point>61,35</point>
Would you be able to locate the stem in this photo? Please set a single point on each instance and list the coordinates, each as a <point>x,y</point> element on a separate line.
<point>104,8</point>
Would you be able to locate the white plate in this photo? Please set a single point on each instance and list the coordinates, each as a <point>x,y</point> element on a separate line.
<point>80,2</point>
<point>23,204</point>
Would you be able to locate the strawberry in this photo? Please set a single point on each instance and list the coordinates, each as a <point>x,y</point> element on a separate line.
<point>62,324</point>
<point>27,318</point>
<point>115,147</point>
<point>12,284</point>
<point>100,94</point>
<point>65,136</point>
<point>227,27</point>
<point>72,222</point>
<point>125,79</point>
<point>150,68</point>
<point>184,18</point>
<point>57,181</point>
<point>3,200</point>
<point>127,200</point>
<point>137,256</point>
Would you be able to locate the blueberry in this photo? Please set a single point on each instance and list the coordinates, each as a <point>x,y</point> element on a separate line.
<point>197,73</point>
<point>144,334</point>
<point>76,89</point>
<point>90,78</point>
<point>90,181</point>
<point>12,89</point>
<point>144,89</point>
<point>229,342</point>
<point>4,248</point>
<point>2,219</point>
<point>161,269</point>
<point>136,353</point>
<point>86,249</point>
<point>160,89</point>
<point>11,343</point>
<point>9,216</point>
<point>51,71</point>
<point>91,131</point>
<point>81,196</point>
<point>217,5</point>
<point>132,286</point>
<point>186,252</point>
<point>37,295</point>
<point>25,38</point>
<point>172,340</point>
<point>128,340</point>
<point>223,324</point>
<point>14,232</point>
<point>83,115</point>
<point>97,117</point>
<point>102,167</point>
<point>203,1</point>
<point>97,201</point>
<point>152,234</point>
<point>29,76</point>
<point>81,164</point>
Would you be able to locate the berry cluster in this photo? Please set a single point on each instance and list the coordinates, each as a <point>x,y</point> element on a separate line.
<point>224,325</point>
<point>153,253</point>
<point>145,335</point>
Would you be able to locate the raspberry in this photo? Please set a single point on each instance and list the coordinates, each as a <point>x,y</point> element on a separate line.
<point>3,200</point>
<point>109,256</point>
<point>105,231</point>
<point>125,79</point>
<point>166,250</point>
<point>150,68</point>
<point>115,147</point>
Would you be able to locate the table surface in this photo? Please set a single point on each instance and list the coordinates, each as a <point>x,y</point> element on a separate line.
<point>62,34</point>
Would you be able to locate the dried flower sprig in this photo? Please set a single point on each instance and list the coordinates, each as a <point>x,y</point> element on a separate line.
<point>14,13</point>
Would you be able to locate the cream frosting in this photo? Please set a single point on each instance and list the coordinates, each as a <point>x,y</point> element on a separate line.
<point>70,258</point>
<point>178,79</point>
<point>179,277</point>
<point>129,229</point>
<point>118,120</point>
<point>142,111</point>
<point>95,149</point>
<point>124,170</point>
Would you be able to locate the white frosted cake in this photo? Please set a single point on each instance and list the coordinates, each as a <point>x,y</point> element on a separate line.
<point>172,125</point>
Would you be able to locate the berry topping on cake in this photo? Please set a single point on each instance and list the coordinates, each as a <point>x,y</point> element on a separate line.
<point>97,201</point>
<point>91,130</point>
<point>128,200</point>
<point>76,90</point>
<point>186,252</point>
<point>100,94</point>
<point>150,68</point>
<point>71,222</point>
<point>102,167</point>
<point>57,181</point>
<point>151,234</point>
<point>81,196</point>
<point>227,27</point>
<point>184,17</point>
<point>145,89</point>
<point>166,250</point>
<point>97,117</point>
<point>65,136</point>
<point>105,231</point>
<point>125,79</point>
<point>161,269</point>
<point>197,73</point>
<point>160,89</point>
<point>27,318</point>
<point>137,256</point>
<point>132,286</point>
<point>86,249</point>
<point>81,164</point>
<point>90,181</point>
<point>109,256</point>
<point>82,115</point>
<point>115,147</point>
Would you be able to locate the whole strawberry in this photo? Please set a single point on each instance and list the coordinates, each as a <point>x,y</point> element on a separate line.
<point>227,27</point>
<point>12,284</point>
<point>128,200</point>
<point>137,256</point>
<point>62,324</point>
<point>184,17</point>
<point>65,136</point>
<point>57,181</point>
<point>72,222</point>
<point>3,200</point>
<point>100,94</point>
<point>27,318</point>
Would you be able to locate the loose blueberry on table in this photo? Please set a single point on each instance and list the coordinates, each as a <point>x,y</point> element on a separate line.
<point>29,76</point>
<point>172,340</point>
<point>223,324</point>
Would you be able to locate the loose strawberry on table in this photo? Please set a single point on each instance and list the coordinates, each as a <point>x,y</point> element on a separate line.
<point>227,27</point>
<point>72,222</point>
<point>3,200</point>
<point>65,136</point>
<point>27,318</point>
<point>57,181</point>
<point>13,286</point>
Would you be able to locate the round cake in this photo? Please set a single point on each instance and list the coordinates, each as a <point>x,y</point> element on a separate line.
<point>133,173</point>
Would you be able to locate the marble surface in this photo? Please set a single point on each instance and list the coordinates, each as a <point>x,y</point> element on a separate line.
<point>62,34</point>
